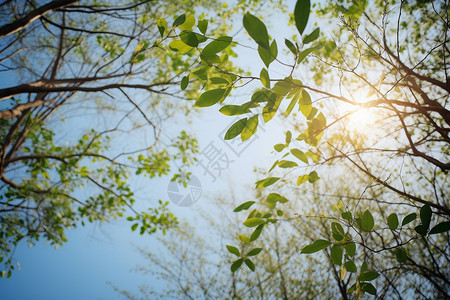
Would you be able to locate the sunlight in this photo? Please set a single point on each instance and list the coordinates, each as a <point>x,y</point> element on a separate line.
<point>360,119</point>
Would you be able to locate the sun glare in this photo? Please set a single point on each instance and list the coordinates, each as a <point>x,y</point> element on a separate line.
<point>361,118</point>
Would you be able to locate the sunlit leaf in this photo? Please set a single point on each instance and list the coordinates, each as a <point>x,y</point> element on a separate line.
<point>244,206</point>
<point>203,26</point>
<point>250,128</point>
<point>316,246</point>
<point>268,55</point>
<point>179,46</point>
<point>188,23</point>
<point>189,38</point>
<point>233,110</point>
<point>264,77</point>
<point>209,98</point>
<point>257,232</point>
<point>253,222</point>
<point>184,82</point>
<point>235,129</point>
<point>217,45</point>
<point>179,20</point>
<point>266,182</point>
<point>287,164</point>
<point>300,155</point>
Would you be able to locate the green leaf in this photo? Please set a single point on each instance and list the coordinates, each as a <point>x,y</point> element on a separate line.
<point>316,246</point>
<point>369,288</point>
<point>350,266</point>
<point>266,182</point>
<point>256,29</point>
<point>275,197</point>
<point>305,104</point>
<point>301,14</point>
<point>279,147</point>
<point>400,255</point>
<point>300,155</point>
<point>236,265</point>
<point>184,82</point>
<point>287,164</point>
<point>268,55</point>
<point>250,264</point>
<point>369,276</point>
<point>409,218</point>
<point>312,36</point>
<point>189,38</point>
<point>250,128</point>
<point>134,226</point>
<point>304,54</point>
<point>209,98</point>
<point>235,129</point>
<point>441,227</point>
<point>233,250</point>
<point>367,221</point>
<point>336,255</point>
<point>291,46</point>
<point>350,249</point>
<point>264,77</point>
<point>179,20</point>
<point>234,110</point>
<point>162,25</point>
<point>313,177</point>
<point>257,232</point>
<point>202,26</point>
<point>244,206</point>
<point>288,137</point>
<point>425,215</point>
<point>188,23</point>
<point>302,179</point>
<point>347,215</point>
<point>178,45</point>
<point>338,231</point>
<point>253,222</point>
<point>392,221</point>
<point>254,252</point>
<point>421,229</point>
<point>217,45</point>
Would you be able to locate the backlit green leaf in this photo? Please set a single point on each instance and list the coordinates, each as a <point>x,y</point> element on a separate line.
<point>244,206</point>
<point>253,222</point>
<point>184,82</point>
<point>203,26</point>
<point>291,46</point>
<point>257,232</point>
<point>217,45</point>
<point>266,182</point>
<point>316,246</point>
<point>304,54</point>
<point>264,77</point>
<point>250,128</point>
<point>188,23</point>
<point>301,14</point>
<point>287,164</point>
<point>300,155</point>
<point>233,110</point>
<point>179,20</point>
<point>189,38</point>
<point>279,147</point>
<point>312,36</point>
<point>369,276</point>
<point>256,29</point>
<point>209,98</point>
<point>235,129</point>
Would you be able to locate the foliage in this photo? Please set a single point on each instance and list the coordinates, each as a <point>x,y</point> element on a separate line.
<point>87,87</point>
<point>388,58</point>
